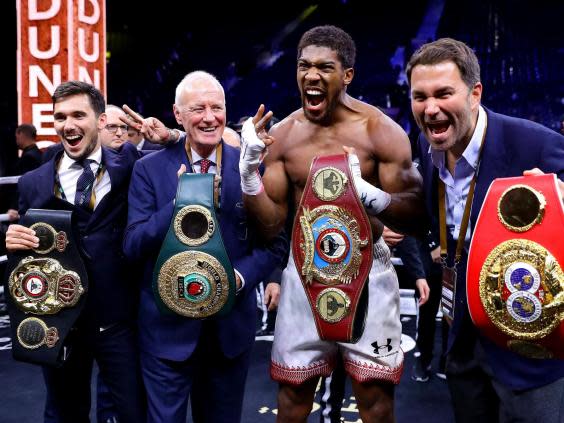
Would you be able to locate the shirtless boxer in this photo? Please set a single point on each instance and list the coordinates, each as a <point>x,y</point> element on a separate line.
<point>329,122</point>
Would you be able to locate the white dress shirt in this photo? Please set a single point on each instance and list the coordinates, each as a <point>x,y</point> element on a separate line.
<point>457,186</point>
<point>69,171</point>
<point>196,161</point>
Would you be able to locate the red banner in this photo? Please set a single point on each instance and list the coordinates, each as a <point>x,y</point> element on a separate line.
<point>58,40</point>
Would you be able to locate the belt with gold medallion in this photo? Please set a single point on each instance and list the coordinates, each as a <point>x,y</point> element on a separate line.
<point>193,275</point>
<point>46,288</point>
<point>515,283</point>
<point>332,249</point>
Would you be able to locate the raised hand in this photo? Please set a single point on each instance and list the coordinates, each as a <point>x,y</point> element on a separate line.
<point>254,140</point>
<point>151,128</point>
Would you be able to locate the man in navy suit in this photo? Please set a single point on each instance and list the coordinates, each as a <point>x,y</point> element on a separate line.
<point>207,359</point>
<point>105,329</point>
<point>487,383</point>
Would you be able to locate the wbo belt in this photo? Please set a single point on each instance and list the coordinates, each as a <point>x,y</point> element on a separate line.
<point>332,249</point>
<point>515,283</point>
<point>46,289</point>
<point>193,275</point>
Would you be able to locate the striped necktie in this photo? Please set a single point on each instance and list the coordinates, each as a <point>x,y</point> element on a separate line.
<point>84,185</point>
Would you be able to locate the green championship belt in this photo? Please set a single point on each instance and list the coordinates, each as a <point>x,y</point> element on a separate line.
<point>193,275</point>
<point>46,289</point>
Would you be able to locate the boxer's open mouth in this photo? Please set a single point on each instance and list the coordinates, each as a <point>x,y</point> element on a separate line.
<point>73,140</point>
<point>315,98</point>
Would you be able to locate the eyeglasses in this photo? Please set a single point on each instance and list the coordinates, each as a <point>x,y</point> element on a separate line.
<point>113,128</point>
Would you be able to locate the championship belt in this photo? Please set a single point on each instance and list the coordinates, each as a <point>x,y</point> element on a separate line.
<point>193,275</point>
<point>332,249</point>
<point>45,289</point>
<point>515,283</point>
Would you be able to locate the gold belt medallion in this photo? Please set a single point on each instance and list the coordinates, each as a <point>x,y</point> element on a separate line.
<point>522,290</point>
<point>194,225</point>
<point>43,286</point>
<point>329,183</point>
<point>49,238</point>
<point>331,245</point>
<point>193,284</point>
<point>333,304</point>
<point>33,333</point>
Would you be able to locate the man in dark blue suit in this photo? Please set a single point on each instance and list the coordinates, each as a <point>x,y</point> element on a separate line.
<point>487,383</point>
<point>105,329</point>
<point>206,360</point>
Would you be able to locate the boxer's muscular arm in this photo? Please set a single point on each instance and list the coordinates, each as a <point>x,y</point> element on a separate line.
<point>270,207</point>
<point>399,177</point>
<point>265,198</point>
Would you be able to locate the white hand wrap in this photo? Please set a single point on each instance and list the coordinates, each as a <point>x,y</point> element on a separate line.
<point>252,149</point>
<point>374,199</point>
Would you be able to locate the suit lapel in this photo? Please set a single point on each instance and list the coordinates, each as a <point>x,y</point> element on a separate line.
<point>46,180</point>
<point>493,163</point>
<point>230,180</point>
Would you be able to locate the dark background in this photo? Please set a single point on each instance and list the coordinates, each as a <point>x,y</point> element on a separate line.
<point>251,48</point>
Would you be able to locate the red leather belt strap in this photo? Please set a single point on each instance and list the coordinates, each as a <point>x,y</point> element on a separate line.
<point>332,249</point>
<point>515,283</point>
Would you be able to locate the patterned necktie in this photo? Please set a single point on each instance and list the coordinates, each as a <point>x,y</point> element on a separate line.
<point>84,185</point>
<point>205,165</point>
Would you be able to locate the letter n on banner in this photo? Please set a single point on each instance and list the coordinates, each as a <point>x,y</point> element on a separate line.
<point>58,40</point>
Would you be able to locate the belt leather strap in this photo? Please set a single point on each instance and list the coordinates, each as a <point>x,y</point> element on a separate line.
<point>46,289</point>
<point>332,249</point>
<point>515,283</point>
<point>193,275</point>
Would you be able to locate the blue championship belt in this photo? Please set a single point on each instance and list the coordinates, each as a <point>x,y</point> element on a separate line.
<point>193,275</point>
<point>45,289</point>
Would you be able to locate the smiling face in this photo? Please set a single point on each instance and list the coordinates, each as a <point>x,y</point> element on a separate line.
<point>200,110</point>
<point>444,107</point>
<point>77,126</point>
<point>321,81</point>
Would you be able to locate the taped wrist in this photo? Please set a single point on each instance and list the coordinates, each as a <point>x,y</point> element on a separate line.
<point>252,149</point>
<point>374,199</point>
<point>251,183</point>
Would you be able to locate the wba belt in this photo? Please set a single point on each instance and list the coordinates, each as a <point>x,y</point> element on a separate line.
<point>46,289</point>
<point>193,276</point>
<point>332,249</point>
<point>515,283</point>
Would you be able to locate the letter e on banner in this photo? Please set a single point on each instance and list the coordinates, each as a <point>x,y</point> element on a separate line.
<point>58,40</point>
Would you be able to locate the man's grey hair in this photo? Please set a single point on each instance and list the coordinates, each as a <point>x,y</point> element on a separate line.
<point>189,79</point>
<point>112,106</point>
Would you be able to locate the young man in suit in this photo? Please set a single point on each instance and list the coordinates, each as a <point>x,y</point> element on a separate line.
<point>460,140</point>
<point>105,330</point>
<point>206,360</point>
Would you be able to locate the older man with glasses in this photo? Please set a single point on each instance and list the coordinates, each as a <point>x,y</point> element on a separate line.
<point>114,134</point>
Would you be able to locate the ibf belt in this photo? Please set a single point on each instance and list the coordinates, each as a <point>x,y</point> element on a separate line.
<point>193,275</point>
<point>46,288</point>
<point>332,249</point>
<point>515,283</point>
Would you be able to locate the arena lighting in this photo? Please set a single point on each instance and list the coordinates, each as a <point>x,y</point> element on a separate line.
<point>58,40</point>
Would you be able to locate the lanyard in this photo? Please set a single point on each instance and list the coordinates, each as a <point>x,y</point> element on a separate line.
<point>60,193</point>
<point>466,215</point>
